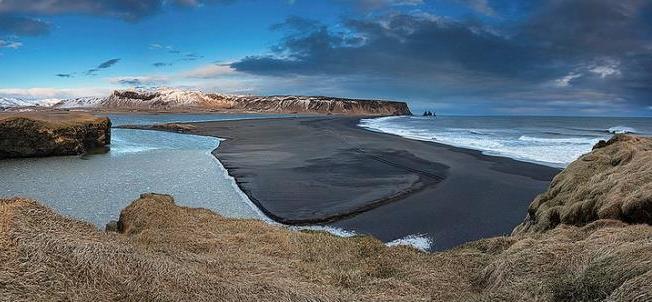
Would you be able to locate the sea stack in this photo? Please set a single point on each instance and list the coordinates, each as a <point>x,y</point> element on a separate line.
<point>32,134</point>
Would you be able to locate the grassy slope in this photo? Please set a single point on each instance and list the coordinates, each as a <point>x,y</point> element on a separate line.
<point>171,253</point>
<point>53,119</point>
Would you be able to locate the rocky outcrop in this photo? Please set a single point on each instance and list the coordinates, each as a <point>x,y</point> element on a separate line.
<point>183,100</point>
<point>174,127</point>
<point>47,134</point>
<point>614,181</point>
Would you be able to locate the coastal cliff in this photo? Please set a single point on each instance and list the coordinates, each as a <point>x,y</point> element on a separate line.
<point>37,134</point>
<point>165,252</point>
<point>172,99</point>
<point>318,104</point>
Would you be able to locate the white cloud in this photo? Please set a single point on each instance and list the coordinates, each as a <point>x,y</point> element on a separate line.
<point>209,71</point>
<point>10,44</point>
<point>480,6</point>
<point>605,70</point>
<point>566,80</point>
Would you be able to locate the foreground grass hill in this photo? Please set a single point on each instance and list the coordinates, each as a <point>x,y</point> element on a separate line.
<point>164,252</point>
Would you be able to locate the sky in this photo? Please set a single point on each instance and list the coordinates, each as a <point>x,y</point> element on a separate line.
<point>468,57</point>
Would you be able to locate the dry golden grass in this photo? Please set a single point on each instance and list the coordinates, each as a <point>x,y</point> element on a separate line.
<point>612,182</point>
<point>164,252</point>
<point>53,119</point>
<point>172,253</point>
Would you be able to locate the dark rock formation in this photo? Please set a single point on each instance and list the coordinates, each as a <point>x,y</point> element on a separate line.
<point>47,134</point>
<point>174,127</point>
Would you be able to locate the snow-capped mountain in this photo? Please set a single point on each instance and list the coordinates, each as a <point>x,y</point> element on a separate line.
<point>167,99</point>
<point>84,102</point>
<point>9,102</point>
<point>164,99</point>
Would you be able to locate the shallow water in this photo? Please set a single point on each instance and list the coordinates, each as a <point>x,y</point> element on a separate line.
<point>96,187</point>
<point>552,141</point>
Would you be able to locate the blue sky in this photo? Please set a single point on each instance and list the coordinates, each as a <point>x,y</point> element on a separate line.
<point>557,57</point>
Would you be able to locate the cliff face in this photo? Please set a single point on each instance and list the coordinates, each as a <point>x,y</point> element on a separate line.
<point>319,104</point>
<point>47,134</point>
<point>612,182</point>
<point>174,99</point>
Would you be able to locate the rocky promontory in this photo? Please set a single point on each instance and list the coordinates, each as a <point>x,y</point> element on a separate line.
<point>33,134</point>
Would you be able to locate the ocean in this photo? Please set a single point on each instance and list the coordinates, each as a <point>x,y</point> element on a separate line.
<point>551,141</point>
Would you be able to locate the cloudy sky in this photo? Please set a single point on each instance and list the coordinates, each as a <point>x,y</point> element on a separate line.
<point>533,57</point>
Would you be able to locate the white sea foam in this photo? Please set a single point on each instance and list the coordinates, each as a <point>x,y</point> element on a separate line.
<point>418,241</point>
<point>557,151</point>
<point>567,140</point>
<point>329,229</point>
<point>621,130</point>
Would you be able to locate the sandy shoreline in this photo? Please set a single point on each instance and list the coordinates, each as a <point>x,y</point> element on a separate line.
<point>327,170</point>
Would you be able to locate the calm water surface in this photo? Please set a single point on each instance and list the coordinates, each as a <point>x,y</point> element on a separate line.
<point>96,187</point>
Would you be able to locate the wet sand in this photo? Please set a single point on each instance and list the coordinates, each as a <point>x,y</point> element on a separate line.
<point>327,170</point>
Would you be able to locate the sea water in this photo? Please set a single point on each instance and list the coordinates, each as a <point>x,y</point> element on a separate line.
<point>552,141</point>
<point>97,187</point>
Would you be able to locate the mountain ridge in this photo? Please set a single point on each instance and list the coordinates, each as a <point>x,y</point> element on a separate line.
<point>167,99</point>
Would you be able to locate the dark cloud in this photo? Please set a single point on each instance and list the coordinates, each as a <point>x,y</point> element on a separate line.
<point>22,26</point>
<point>584,50</point>
<point>108,63</point>
<point>129,10</point>
<point>64,75</point>
<point>590,27</point>
<point>161,64</point>
<point>415,47</point>
<point>123,9</point>
<point>103,65</point>
<point>140,82</point>
<point>130,82</point>
<point>191,57</point>
<point>379,4</point>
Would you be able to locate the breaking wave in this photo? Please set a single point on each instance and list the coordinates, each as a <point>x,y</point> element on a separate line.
<point>419,241</point>
<point>621,130</point>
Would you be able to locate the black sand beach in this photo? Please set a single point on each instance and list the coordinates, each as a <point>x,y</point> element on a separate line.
<point>327,170</point>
